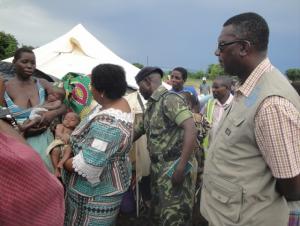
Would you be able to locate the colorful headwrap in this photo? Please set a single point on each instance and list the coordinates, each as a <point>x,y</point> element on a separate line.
<point>78,93</point>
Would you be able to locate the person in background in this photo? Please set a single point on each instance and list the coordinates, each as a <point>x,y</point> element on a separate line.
<point>202,127</point>
<point>214,108</point>
<point>178,78</point>
<point>24,92</point>
<point>98,173</point>
<point>30,195</point>
<point>252,167</point>
<point>168,80</point>
<point>171,138</point>
<point>204,87</point>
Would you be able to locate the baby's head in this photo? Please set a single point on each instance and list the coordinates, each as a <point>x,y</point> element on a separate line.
<point>56,93</point>
<point>71,120</point>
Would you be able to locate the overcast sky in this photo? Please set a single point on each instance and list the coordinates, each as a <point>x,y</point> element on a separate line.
<point>165,33</point>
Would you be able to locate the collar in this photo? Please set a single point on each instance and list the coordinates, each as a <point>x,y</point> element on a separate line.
<point>249,84</point>
<point>156,95</point>
<point>227,102</point>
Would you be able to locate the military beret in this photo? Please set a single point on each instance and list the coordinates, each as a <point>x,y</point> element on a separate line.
<point>145,71</point>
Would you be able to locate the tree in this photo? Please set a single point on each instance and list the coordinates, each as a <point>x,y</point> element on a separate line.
<point>293,74</point>
<point>138,65</point>
<point>8,45</point>
<point>196,75</point>
<point>214,70</point>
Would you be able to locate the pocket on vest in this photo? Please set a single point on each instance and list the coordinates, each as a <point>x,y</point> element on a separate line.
<point>232,132</point>
<point>223,197</point>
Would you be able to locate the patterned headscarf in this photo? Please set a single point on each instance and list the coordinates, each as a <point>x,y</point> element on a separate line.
<point>78,93</point>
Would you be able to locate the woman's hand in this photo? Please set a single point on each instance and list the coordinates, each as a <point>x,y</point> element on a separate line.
<point>34,131</point>
<point>178,176</point>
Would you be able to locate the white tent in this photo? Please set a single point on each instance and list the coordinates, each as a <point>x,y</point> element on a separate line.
<point>78,51</point>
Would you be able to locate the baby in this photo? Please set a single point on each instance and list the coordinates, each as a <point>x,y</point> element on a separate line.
<point>54,100</point>
<point>59,149</point>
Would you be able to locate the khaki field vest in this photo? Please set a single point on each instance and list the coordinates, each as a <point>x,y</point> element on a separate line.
<point>238,186</point>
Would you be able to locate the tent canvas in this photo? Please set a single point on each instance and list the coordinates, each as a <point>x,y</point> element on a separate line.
<point>78,51</point>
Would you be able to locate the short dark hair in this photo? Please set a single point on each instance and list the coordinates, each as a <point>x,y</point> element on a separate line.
<point>183,72</point>
<point>111,79</point>
<point>21,50</point>
<point>252,27</point>
<point>226,81</point>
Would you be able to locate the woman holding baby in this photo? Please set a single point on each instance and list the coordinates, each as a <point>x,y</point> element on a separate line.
<point>22,93</point>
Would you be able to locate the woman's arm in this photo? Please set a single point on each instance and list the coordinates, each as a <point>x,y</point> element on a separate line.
<point>59,131</point>
<point>68,165</point>
<point>48,116</point>
<point>94,156</point>
<point>9,130</point>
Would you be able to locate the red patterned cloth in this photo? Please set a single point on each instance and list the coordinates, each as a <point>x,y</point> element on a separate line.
<point>29,194</point>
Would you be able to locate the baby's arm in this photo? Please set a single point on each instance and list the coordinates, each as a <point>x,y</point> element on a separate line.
<point>52,105</point>
<point>67,154</point>
<point>59,131</point>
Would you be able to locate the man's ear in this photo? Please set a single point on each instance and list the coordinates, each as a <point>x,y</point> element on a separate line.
<point>245,48</point>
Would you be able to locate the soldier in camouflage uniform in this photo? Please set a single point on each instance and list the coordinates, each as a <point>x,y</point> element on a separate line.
<point>171,135</point>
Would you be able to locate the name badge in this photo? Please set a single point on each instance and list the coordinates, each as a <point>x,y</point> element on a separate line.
<point>99,144</point>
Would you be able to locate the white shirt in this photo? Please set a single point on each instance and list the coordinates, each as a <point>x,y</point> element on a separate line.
<point>217,115</point>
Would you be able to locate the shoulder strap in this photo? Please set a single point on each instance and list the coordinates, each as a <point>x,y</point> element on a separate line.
<point>210,109</point>
<point>140,102</point>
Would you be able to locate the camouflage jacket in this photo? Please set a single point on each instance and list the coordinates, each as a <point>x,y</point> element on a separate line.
<point>164,113</point>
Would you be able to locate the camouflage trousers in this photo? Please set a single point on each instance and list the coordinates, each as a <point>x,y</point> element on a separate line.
<point>170,205</point>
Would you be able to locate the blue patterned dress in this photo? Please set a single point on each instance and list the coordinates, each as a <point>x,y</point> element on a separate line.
<point>100,146</point>
<point>40,142</point>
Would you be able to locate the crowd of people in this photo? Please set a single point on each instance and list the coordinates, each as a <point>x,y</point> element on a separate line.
<point>233,161</point>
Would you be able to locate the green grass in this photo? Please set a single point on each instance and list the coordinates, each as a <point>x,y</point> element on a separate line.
<point>193,82</point>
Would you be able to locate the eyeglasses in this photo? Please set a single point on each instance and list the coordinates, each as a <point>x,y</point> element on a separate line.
<point>222,45</point>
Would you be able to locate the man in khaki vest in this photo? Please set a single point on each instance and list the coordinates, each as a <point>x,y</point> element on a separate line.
<point>253,164</point>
